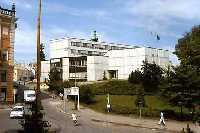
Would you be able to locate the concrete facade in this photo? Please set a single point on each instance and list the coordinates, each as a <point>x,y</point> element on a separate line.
<point>45,69</point>
<point>123,62</point>
<point>80,59</point>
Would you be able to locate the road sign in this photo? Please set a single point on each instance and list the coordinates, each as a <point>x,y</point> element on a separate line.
<point>71,91</point>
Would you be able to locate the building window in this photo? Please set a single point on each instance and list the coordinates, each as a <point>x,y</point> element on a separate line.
<point>73,51</point>
<point>3,75</point>
<point>5,31</point>
<point>4,55</point>
<point>85,45</point>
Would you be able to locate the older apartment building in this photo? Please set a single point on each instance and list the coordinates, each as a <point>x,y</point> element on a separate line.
<point>90,60</point>
<point>7,36</point>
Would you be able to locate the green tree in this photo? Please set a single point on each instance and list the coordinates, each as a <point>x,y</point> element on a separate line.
<point>151,76</point>
<point>42,54</point>
<point>55,80</point>
<point>135,77</point>
<point>86,95</point>
<point>185,85</point>
<point>140,101</point>
<point>188,48</point>
<point>187,80</point>
<point>167,81</point>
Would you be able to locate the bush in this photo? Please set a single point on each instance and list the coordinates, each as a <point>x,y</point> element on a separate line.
<point>123,110</point>
<point>113,87</point>
<point>87,95</point>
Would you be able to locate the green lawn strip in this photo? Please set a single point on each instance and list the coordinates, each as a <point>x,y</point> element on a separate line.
<point>124,104</point>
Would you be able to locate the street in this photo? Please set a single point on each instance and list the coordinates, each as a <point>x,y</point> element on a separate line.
<point>62,122</point>
<point>6,124</point>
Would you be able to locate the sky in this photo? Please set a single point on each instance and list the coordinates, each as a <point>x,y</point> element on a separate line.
<point>120,21</point>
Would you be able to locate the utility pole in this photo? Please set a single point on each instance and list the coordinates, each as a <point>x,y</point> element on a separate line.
<point>38,54</point>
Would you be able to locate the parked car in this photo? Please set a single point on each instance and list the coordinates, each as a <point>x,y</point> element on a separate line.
<point>17,112</point>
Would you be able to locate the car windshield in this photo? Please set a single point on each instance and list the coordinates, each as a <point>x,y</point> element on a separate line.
<point>31,95</point>
<point>17,109</point>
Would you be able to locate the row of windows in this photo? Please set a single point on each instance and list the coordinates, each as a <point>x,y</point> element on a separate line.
<point>78,63</point>
<point>84,52</point>
<point>95,46</point>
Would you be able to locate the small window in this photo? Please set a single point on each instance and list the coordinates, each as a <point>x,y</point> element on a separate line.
<point>3,75</point>
<point>4,55</point>
<point>5,31</point>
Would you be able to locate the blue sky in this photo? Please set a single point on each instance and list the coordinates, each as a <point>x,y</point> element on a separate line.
<point>121,21</point>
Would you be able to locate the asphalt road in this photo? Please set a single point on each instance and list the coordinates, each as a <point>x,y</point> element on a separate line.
<point>6,124</point>
<point>64,123</point>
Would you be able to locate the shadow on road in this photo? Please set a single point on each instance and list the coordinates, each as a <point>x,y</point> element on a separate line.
<point>14,131</point>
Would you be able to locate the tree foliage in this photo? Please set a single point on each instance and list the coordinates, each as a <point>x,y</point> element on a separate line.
<point>152,76</point>
<point>135,77</point>
<point>188,48</point>
<point>55,80</point>
<point>42,54</point>
<point>56,83</point>
<point>140,101</point>
<point>182,83</point>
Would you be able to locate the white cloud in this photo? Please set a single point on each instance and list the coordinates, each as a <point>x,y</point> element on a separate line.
<point>161,15</point>
<point>160,9</point>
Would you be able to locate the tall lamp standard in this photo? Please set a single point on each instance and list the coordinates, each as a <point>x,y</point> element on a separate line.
<point>38,53</point>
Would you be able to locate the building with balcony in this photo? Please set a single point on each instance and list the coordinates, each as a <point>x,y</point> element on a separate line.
<point>7,36</point>
<point>90,60</point>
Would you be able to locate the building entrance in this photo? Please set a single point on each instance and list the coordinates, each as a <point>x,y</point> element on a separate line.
<point>113,74</point>
<point>2,94</point>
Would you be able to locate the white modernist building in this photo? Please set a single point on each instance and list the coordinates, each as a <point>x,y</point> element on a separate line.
<point>92,60</point>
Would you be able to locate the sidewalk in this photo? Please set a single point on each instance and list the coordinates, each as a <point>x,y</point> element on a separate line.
<point>96,117</point>
<point>4,106</point>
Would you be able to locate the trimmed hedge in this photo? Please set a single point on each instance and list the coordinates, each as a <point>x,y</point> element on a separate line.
<point>113,87</point>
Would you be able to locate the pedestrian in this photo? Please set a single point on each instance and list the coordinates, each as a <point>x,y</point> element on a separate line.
<point>108,107</point>
<point>74,118</point>
<point>61,96</point>
<point>162,120</point>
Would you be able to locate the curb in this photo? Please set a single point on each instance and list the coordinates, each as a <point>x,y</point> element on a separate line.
<point>131,125</point>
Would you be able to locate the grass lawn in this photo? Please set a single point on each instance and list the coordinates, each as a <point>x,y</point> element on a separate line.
<point>124,104</point>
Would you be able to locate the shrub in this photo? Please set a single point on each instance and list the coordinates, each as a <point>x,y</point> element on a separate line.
<point>87,95</point>
<point>113,87</point>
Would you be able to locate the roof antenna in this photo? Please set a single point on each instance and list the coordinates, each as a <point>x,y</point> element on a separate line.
<point>94,38</point>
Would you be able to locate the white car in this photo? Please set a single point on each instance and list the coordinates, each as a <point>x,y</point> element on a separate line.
<point>17,112</point>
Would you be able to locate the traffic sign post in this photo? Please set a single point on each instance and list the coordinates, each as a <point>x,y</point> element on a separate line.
<point>71,91</point>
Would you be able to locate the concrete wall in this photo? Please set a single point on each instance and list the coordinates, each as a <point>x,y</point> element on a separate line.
<point>96,65</point>
<point>45,69</point>
<point>58,49</point>
<point>65,67</point>
<point>128,60</point>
